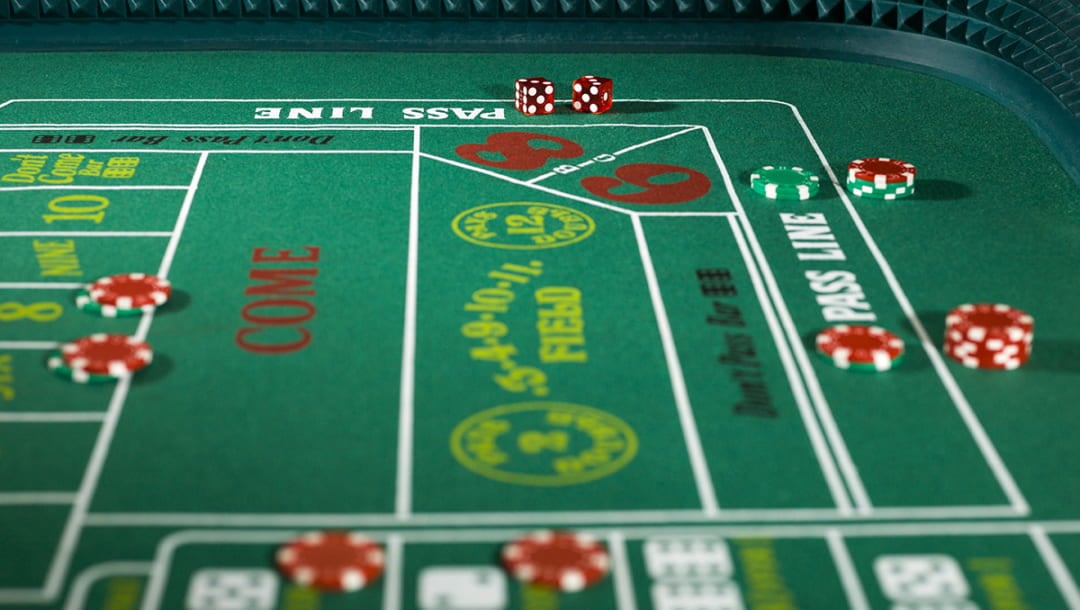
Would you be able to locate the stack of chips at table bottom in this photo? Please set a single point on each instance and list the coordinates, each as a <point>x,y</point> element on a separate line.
<point>881,178</point>
<point>989,336</point>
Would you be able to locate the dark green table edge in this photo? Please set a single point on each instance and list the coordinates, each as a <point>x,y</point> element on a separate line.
<point>1047,110</point>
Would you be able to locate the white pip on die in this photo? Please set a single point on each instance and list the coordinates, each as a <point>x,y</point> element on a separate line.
<point>534,95</point>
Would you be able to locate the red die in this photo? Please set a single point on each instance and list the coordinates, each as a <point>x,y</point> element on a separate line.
<point>534,96</point>
<point>592,94</point>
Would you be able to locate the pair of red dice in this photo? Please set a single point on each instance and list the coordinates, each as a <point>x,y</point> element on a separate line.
<point>537,95</point>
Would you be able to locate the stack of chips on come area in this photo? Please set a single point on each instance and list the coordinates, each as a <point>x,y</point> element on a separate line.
<point>881,178</point>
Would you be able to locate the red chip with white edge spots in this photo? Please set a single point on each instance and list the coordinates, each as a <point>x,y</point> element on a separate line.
<point>854,346</point>
<point>130,290</point>
<point>565,561</point>
<point>882,171</point>
<point>979,322</point>
<point>114,355</point>
<point>331,561</point>
<point>989,336</point>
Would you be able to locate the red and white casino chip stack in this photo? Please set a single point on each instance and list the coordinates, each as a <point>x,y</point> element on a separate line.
<point>989,336</point>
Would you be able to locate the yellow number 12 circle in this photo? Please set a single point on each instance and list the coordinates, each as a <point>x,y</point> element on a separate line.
<point>522,225</point>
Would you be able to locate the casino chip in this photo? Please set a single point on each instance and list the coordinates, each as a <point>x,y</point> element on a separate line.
<point>560,560</point>
<point>85,303</point>
<point>881,178</point>
<point>859,347</point>
<point>882,172</point>
<point>331,561</point>
<point>116,356</point>
<point>58,365</point>
<point>989,336</point>
<point>860,188</point>
<point>780,182</point>
<point>130,291</point>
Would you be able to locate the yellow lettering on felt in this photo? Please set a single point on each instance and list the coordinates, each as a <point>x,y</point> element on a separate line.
<point>7,378</point>
<point>57,258</point>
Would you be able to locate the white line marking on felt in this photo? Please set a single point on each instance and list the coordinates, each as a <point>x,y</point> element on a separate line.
<point>228,151</point>
<point>685,214</point>
<point>655,140</point>
<point>388,127</point>
<point>849,576</point>
<point>21,498</point>
<point>85,234</point>
<point>55,417</point>
<point>40,285</point>
<point>80,589</point>
<point>407,391</point>
<point>506,519</point>
<point>449,519</point>
<point>91,188</point>
<point>791,532</point>
<point>536,187</point>
<point>73,527</point>
<point>620,572</point>
<point>698,463</point>
<point>982,440</point>
<point>181,218</point>
<point>29,345</point>
<point>817,440</point>
<point>1058,570</point>
<point>394,576</point>
<point>839,449</point>
<point>944,512</point>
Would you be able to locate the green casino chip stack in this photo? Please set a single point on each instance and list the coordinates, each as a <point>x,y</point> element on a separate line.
<point>782,182</point>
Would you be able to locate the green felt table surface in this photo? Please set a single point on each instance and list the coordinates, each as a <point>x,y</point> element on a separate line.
<point>404,308</point>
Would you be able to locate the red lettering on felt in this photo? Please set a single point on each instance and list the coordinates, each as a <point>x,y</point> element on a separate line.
<point>285,256</point>
<point>278,320</point>
<point>272,348</point>
<point>287,311</point>
<point>280,281</point>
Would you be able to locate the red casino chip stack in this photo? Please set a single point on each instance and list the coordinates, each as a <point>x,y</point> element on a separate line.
<point>331,561</point>
<point>881,178</point>
<point>123,295</point>
<point>130,290</point>
<point>989,336</point>
<point>116,356</point>
<point>564,561</point>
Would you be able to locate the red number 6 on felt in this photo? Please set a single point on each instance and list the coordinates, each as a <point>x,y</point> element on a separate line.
<point>694,185</point>
<point>517,151</point>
